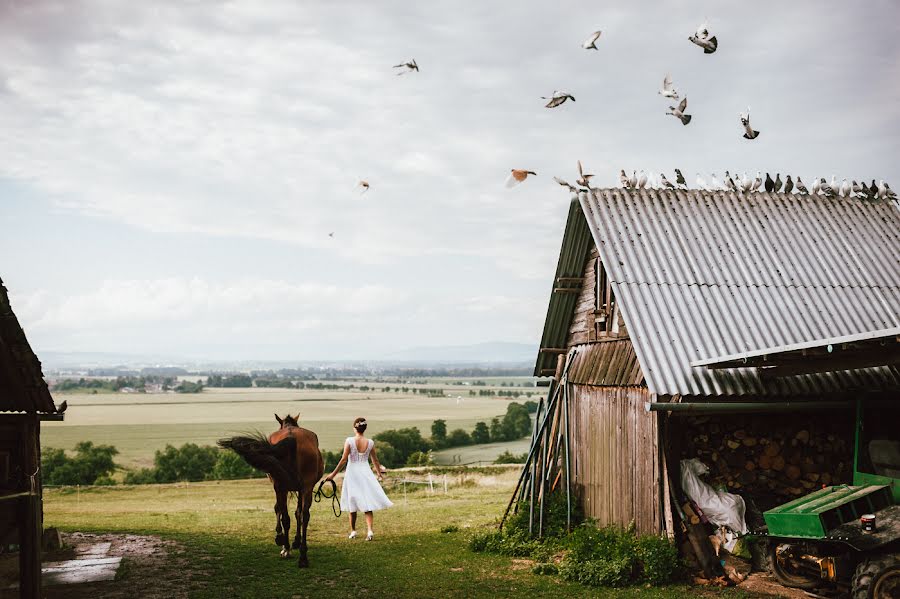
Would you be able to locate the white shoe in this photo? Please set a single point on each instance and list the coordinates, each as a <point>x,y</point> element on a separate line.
<point>370,536</point>
<point>352,535</point>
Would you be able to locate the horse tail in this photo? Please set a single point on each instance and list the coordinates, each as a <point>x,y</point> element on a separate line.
<point>270,458</point>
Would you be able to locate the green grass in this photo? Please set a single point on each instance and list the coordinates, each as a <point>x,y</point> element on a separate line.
<point>484,453</point>
<point>226,529</point>
<point>139,424</point>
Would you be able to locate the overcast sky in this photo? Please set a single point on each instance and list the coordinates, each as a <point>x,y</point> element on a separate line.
<point>169,172</point>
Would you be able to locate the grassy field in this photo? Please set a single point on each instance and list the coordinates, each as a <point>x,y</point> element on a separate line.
<point>139,424</point>
<point>225,530</point>
<point>479,454</point>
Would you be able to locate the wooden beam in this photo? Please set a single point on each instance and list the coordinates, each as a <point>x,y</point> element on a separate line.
<point>830,363</point>
<point>562,280</point>
<point>554,350</point>
<point>548,371</point>
<point>566,290</point>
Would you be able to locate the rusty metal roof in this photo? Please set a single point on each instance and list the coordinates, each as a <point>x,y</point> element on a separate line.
<point>608,363</point>
<point>703,274</point>
<point>22,385</point>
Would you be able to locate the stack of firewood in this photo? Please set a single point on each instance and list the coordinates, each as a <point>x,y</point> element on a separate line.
<point>771,458</point>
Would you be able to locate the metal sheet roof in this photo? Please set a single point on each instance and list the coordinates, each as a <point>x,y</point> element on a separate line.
<point>704,274</point>
<point>22,386</point>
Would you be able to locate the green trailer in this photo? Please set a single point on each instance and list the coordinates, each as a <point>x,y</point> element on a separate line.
<point>820,541</point>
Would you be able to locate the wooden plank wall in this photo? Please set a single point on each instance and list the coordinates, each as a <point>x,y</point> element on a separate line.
<point>614,441</point>
<point>581,327</point>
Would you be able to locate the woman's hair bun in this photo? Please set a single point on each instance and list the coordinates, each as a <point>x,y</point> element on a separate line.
<point>360,424</point>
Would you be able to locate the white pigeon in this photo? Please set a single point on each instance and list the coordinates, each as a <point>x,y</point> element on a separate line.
<point>757,182</point>
<point>845,188</point>
<point>557,98</point>
<point>714,183</point>
<point>678,112</point>
<point>749,133</point>
<point>665,183</point>
<point>632,181</point>
<point>709,44</point>
<point>703,30</point>
<point>816,185</point>
<point>746,183</point>
<point>882,189</point>
<point>642,180</point>
<point>835,188</point>
<point>591,42</point>
<point>668,90</point>
<point>583,180</point>
<point>701,183</point>
<point>623,179</point>
<point>729,182</point>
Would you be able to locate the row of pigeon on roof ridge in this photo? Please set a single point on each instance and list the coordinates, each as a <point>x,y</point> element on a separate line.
<point>743,184</point>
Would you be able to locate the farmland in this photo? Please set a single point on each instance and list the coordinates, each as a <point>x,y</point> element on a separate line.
<point>224,534</point>
<point>139,424</point>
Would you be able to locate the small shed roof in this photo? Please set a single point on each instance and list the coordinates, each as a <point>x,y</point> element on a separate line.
<point>22,385</point>
<point>704,274</point>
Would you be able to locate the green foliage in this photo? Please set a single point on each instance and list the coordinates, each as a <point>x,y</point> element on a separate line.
<point>144,476</point>
<point>439,433</point>
<point>420,458</point>
<point>508,458</point>
<point>481,433</point>
<point>545,569</point>
<point>450,528</point>
<point>89,464</point>
<point>189,387</point>
<point>531,406</point>
<point>659,559</point>
<point>607,572</point>
<point>405,442</point>
<point>233,380</point>
<point>230,465</point>
<point>331,459</point>
<point>190,462</point>
<point>458,437</point>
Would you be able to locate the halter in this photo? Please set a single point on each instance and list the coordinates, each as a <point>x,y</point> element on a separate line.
<point>335,504</point>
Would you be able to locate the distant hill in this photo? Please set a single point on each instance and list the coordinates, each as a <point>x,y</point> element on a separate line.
<point>491,352</point>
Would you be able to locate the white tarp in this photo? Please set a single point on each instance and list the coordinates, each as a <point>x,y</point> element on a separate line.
<point>722,508</point>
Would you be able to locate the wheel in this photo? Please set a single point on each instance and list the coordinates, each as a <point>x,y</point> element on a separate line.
<point>877,577</point>
<point>785,572</point>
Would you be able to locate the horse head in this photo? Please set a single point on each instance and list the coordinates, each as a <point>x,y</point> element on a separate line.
<point>288,420</point>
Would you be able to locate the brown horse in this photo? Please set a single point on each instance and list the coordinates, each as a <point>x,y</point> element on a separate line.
<point>291,458</point>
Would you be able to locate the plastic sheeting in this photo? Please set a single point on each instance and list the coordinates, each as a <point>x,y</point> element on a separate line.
<point>722,508</point>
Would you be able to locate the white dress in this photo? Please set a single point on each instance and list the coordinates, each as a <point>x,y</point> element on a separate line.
<point>360,491</point>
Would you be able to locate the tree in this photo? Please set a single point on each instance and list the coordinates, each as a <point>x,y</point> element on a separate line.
<point>439,433</point>
<point>481,433</point>
<point>188,462</point>
<point>516,422</point>
<point>507,458</point>
<point>498,433</point>
<point>420,458</point>
<point>91,464</point>
<point>230,465</point>
<point>458,437</point>
<point>405,441</point>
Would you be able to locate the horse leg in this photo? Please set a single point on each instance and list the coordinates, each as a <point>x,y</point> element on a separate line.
<point>298,516</point>
<point>306,500</point>
<point>281,506</point>
<point>279,534</point>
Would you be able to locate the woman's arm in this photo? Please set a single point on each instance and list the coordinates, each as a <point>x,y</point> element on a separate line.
<point>340,463</point>
<point>377,464</point>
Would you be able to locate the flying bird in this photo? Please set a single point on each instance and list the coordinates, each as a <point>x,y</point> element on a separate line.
<point>709,44</point>
<point>668,90</point>
<point>801,187</point>
<point>590,43</point>
<point>749,133</point>
<point>408,67</point>
<point>566,184</point>
<point>583,180</point>
<point>364,184</point>
<point>788,185</point>
<point>777,182</point>
<point>516,176</point>
<point>678,112</point>
<point>770,184</point>
<point>331,234</point>
<point>623,179</point>
<point>679,178</point>
<point>703,30</point>
<point>557,98</point>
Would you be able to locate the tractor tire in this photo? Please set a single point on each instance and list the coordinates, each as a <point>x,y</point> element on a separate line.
<point>877,577</point>
<point>784,575</point>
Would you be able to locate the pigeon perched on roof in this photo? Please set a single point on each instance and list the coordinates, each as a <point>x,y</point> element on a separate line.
<point>778,182</point>
<point>729,182</point>
<point>557,98</point>
<point>633,179</point>
<point>364,184</point>
<point>757,182</point>
<point>566,184</point>
<point>788,185</point>
<point>583,180</point>
<point>746,183</point>
<point>642,180</point>
<point>623,179</point>
<point>770,184</point>
<point>844,188</point>
<point>62,407</point>
<point>679,178</point>
<point>668,91</point>
<point>665,182</point>
<point>714,183</point>
<point>888,192</point>
<point>801,187</point>
<point>882,189</point>
<point>709,44</point>
<point>701,183</point>
<point>516,176</point>
<point>678,112</point>
<point>749,133</point>
<point>817,185</point>
<point>591,42</point>
<point>857,188</point>
<point>408,67</point>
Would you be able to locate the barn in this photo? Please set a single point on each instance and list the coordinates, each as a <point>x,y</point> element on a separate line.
<point>738,329</point>
<point>24,402</point>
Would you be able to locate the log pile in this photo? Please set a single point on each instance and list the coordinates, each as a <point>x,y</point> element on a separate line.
<point>772,458</point>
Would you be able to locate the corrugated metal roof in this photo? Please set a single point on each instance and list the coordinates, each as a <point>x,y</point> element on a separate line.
<point>572,254</point>
<point>704,274</point>
<point>22,385</point>
<point>609,363</point>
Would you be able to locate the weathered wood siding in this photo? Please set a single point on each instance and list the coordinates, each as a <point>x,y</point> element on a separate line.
<point>583,326</point>
<point>614,441</point>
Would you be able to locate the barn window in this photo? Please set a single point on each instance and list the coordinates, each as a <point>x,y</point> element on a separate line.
<point>604,302</point>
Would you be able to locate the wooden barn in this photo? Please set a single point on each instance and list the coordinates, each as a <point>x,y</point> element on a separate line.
<point>733,328</point>
<point>24,402</point>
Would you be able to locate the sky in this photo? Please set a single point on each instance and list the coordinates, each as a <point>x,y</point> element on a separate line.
<point>170,171</point>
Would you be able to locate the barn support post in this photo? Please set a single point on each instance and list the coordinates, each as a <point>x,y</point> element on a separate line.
<point>568,467</point>
<point>30,513</point>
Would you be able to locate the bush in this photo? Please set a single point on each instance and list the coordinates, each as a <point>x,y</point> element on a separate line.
<point>144,476</point>
<point>420,458</point>
<point>658,559</point>
<point>450,528</point>
<point>405,442</point>
<point>507,458</point>
<point>230,465</point>
<point>90,464</point>
<point>611,572</point>
<point>457,438</point>
<point>545,569</point>
<point>190,462</point>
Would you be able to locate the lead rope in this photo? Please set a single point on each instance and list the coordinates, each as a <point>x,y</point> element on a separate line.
<point>335,504</point>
